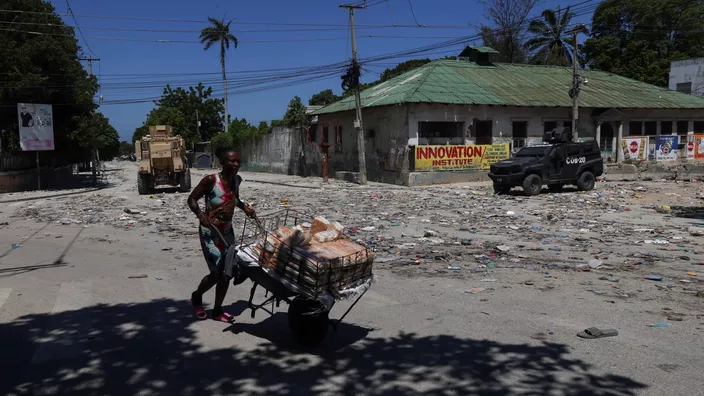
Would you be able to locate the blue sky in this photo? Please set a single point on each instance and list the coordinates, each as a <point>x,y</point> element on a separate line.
<point>183,64</point>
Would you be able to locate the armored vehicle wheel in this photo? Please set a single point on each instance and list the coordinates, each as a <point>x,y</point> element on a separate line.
<point>586,181</point>
<point>555,187</point>
<point>143,184</point>
<point>501,189</point>
<point>308,321</point>
<point>532,185</point>
<point>184,184</point>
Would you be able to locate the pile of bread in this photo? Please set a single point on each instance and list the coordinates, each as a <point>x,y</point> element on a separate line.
<point>316,257</point>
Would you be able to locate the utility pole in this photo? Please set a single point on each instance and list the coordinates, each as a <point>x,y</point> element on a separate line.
<point>575,87</point>
<point>574,92</point>
<point>198,126</point>
<point>94,154</point>
<point>358,101</point>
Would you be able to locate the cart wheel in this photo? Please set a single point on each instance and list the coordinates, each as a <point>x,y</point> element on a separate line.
<point>308,321</point>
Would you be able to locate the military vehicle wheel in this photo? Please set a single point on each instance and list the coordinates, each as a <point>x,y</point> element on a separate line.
<point>532,185</point>
<point>555,187</point>
<point>184,184</point>
<point>586,181</point>
<point>143,184</point>
<point>501,189</point>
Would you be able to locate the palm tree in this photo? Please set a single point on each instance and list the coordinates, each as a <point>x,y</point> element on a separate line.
<point>552,44</point>
<point>219,33</point>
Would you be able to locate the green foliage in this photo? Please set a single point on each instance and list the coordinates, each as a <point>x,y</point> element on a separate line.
<point>391,73</point>
<point>277,123</point>
<point>178,108</point>
<point>240,132</point>
<point>639,38</point>
<point>42,68</point>
<point>553,41</point>
<point>510,48</point>
<point>218,33</point>
<point>222,140</point>
<point>323,98</point>
<point>95,131</point>
<point>295,114</point>
<point>126,148</point>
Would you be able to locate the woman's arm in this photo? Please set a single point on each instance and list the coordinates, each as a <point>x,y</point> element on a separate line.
<point>204,187</point>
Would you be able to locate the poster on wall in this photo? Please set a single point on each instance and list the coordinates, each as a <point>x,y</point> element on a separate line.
<point>36,127</point>
<point>635,148</point>
<point>699,147</point>
<point>666,148</point>
<point>689,147</point>
<point>467,157</point>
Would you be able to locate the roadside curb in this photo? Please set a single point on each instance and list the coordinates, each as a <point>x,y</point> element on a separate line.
<point>51,196</point>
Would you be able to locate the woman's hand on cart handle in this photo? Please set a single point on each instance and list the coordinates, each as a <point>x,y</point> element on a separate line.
<point>204,220</point>
<point>250,212</point>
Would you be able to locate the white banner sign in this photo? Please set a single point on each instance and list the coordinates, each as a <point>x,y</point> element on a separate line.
<point>36,127</point>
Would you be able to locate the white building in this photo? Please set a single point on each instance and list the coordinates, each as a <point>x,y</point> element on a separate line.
<point>687,76</point>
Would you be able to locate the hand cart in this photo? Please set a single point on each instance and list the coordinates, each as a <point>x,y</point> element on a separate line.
<point>310,286</point>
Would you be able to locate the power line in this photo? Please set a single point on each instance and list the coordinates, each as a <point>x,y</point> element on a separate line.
<point>68,7</point>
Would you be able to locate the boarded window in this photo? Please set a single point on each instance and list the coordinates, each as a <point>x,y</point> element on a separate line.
<point>520,134</point>
<point>326,137</point>
<point>338,138</point>
<point>698,126</point>
<point>484,131</point>
<point>682,127</point>
<point>635,128</point>
<point>684,87</point>
<point>666,127</point>
<point>549,126</point>
<point>439,129</point>
<point>651,128</point>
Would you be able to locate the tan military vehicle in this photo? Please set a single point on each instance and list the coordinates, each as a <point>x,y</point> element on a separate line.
<point>163,160</point>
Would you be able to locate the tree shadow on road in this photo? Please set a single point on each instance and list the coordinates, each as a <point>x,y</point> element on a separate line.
<point>152,348</point>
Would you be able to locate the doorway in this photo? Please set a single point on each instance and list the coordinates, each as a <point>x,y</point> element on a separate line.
<point>483,131</point>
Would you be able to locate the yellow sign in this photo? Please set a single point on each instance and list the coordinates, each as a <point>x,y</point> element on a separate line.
<point>469,157</point>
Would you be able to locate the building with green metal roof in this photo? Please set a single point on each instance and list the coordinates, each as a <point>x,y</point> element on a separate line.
<point>474,101</point>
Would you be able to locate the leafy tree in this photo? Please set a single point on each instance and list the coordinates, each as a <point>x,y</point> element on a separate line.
<point>263,128</point>
<point>178,108</point>
<point>553,43</point>
<point>639,38</point>
<point>126,148</point>
<point>195,103</point>
<point>295,116</point>
<point>506,36</point>
<point>323,98</point>
<point>95,132</point>
<point>277,123</point>
<point>219,33</point>
<point>42,67</point>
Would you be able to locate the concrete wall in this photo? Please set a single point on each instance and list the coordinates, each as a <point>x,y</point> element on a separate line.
<point>26,180</point>
<point>691,70</point>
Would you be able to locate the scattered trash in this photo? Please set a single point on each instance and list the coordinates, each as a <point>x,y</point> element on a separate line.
<point>503,248</point>
<point>692,273</point>
<point>454,267</point>
<point>16,245</point>
<point>529,283</point>
<point>653,277</point>
<point>539,336</point>
<point>489,280</point>
<point>659,325</point>
<point>610,278</point>
<point>137,276</point>
<point>158,278</point>
<point>595,332</point>
<point>594,264</point>
<point>475,290</point>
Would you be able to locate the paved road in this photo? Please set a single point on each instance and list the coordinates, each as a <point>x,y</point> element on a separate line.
<point>76,318</point>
